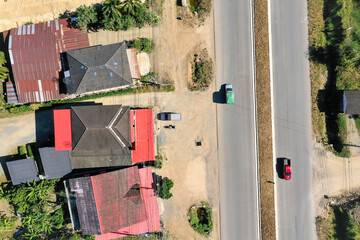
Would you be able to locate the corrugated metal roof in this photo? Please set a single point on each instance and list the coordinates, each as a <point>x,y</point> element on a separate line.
<point>134,65</point>
<point>35,58</point>
<point>56,163</point>
<point>152,222</point>
<point>115,210</point>
<point>62,129</point>
<point>22,171</point>
<point>11,95</point>
<point>143,148</point>
<point>351,102</point>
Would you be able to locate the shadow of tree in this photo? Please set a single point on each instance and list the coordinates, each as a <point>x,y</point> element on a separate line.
<point>329,98</point>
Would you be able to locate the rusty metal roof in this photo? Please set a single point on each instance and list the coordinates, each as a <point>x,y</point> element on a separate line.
<point>35,57</point>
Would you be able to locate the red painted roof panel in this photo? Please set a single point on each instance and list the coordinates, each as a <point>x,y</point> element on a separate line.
<point>152,222</point>
<point>62,129</point>
<point>118,200</point>
<point>143,148</point>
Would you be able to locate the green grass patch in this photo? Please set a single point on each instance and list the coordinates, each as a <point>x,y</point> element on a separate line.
<point>357,122</point>
<point>200,218</point>
<point>341,122</point>
<point>22,150</point>
<point>29,151</point>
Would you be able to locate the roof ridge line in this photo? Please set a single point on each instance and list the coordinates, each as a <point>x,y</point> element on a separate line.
<point>111,124</point>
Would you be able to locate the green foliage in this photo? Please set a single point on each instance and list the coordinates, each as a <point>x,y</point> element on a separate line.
<point>203,8</point>
<point>22,150</point>
<point>341,122</point>
<point>158,161</point>
<point>87,17</point>
<point>202,73</point>
<point>200,218</point>
<point>41,216</point>
<point>343,225</point>
<point>357,122</point>
<point>141,45</point>
<point>115,15</point>
<point>7,223</point>
<point>28,23</point>
<point>164,189</point>
<point>29,151</point>
<point>130,6</point>
<point>4,71</point>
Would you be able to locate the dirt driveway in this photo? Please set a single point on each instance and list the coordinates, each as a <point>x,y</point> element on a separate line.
<point>334,175</point>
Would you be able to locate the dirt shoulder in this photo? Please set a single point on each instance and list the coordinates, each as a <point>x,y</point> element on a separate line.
<point>263,93</point>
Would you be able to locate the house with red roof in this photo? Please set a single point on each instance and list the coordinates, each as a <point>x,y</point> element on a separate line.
<point>35,55</point>
<point>115,204</point>
<point>105,135</point>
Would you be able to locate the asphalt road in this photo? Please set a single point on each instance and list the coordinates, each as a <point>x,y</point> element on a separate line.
<point>236,123</point>
<point>292,118</point>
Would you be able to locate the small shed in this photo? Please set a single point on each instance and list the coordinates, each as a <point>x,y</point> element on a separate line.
<point>351,102</point>
<point>23,171</point>
<point>56,164</point>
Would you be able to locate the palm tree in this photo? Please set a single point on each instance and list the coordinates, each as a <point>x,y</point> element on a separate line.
<point>112,9</point>
<point>129,6</point>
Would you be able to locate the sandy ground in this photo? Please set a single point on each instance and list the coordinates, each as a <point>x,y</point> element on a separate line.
<point>334,175</point>
<point>194,170</point>
<point>15,132</point>
<point>14,13</point>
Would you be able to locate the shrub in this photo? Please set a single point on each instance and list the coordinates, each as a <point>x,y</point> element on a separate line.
<point>164,189</point>
<point>141,45</point>
<point>29,151</point>
<point>341,122</point>
<point>147,45</point>
<point>22,151</point>
<point>87,17</point>
<point>128,22</point>
<point>200,218</point>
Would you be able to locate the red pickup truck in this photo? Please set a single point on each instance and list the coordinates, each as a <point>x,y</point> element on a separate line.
<point>287,169</point>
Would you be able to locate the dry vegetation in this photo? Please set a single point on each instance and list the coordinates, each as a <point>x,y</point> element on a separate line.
<point>318,71</point>
<point>264,120</point>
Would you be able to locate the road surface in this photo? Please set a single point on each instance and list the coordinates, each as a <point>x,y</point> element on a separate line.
<point>292,118</point>
<point>239,213</point>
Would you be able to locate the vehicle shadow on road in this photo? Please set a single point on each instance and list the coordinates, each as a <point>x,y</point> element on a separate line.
<point>219,97</point>
<point>279,164</point>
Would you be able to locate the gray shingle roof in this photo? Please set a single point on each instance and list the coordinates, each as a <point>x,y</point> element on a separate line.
<point>22,171</point>
<point>101,136</point>
<point>99,67</point>
<point>351,102</point>
<point>56,163</point>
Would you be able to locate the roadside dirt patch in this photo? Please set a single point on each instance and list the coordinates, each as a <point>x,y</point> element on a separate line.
<point>263,94</point>
<point>15,13</point>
